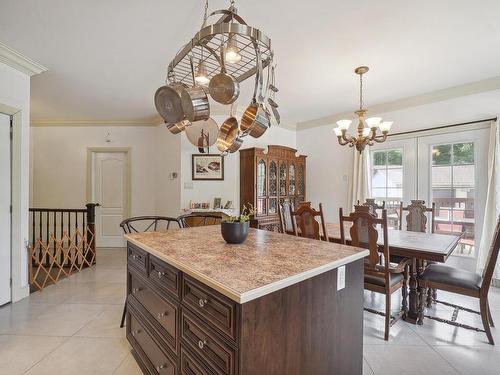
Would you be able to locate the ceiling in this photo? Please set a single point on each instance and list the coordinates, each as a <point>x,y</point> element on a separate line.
<point>106,58</point>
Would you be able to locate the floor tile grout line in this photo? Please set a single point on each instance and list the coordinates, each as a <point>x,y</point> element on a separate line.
<point>123,361</point>
<point>444,359</point>
<point>49,353</point>
<point>369,365</point>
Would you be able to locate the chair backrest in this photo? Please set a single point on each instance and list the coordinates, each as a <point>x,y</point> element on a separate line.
<point>491,260</point>
<point>285,209</point>
<point>199,220</point>
<point>374,206</point>
<point>416,219</point>
<point>364,233</point>
<point>139,224</point>
<point>304,220</point>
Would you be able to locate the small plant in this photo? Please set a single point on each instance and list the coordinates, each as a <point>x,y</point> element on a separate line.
<point>245,215</point>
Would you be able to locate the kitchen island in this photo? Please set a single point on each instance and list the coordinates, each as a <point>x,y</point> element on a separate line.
<point>277,304</point>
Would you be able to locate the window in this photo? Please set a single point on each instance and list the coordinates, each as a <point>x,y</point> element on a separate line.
<point>387,181</point>
<point>452,189</point>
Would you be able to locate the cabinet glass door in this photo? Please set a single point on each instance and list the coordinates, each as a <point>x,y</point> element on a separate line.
<point>273,187</point>
<point>261,187</point>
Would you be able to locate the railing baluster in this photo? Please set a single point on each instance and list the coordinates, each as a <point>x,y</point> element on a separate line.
<point>40,253</point>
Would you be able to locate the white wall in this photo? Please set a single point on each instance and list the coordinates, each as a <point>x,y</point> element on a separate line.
<point>329,164</point>
<point>60,164</point>
<point>229,189</point>
<point>15,98</point>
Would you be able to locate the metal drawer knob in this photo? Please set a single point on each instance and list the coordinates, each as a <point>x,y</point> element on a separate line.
<point>158,368</point>
<point>136,332</point>
<point>202,343</point>
<point>135,290</point>
<point>162,314</point>
<point>202,302</point>
<point>135,257</point>
<point>161,274</point>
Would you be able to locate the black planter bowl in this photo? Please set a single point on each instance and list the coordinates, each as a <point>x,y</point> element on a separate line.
<point>236,232</point>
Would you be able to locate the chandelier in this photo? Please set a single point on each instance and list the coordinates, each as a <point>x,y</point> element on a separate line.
<point>367,128</point>
<point>210,67</point>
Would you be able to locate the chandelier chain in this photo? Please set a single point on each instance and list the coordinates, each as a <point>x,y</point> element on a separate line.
<point>361,92</point>
<point>205,13</point>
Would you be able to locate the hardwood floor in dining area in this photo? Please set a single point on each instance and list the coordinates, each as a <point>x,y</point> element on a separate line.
<point>73,328</point>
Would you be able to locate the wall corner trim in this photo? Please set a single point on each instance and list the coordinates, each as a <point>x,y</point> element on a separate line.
<point>20,62</point>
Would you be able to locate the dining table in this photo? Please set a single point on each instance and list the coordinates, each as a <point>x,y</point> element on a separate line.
<point>419,247</point>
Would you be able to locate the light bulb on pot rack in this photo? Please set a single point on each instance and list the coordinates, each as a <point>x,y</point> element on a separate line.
<point>201,76</point>
<point>232,54</point>
<point>367,128</point>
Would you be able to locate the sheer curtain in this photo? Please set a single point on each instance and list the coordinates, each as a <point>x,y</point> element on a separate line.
<point>492,208</point>
<point>359,180</point>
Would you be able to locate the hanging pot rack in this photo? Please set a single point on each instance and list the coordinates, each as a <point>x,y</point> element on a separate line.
<point>205,47</point>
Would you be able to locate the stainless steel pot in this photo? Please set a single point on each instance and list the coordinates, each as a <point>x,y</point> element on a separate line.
<point>223,87</point>
<point>228,139</point>
<point>194,101</point>
<point>168,102</point>
<point>255,119</point>
<point>177,127</point>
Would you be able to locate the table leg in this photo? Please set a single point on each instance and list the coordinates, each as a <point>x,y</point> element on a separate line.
<point>412,315</point>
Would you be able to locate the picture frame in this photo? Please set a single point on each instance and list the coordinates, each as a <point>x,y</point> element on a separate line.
<point>217,203</point>
<point>207,167</point>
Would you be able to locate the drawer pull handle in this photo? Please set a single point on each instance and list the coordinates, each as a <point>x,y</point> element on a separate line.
<point>135,257</point>
<point>158,368</point>
<point>161,274</point>
<point>162,314</point>
<point>202,302</point>
<point>202,343</point>
<point>136,332</point>
<point>135,290</point>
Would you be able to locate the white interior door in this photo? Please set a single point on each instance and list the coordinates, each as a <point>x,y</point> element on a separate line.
<point>5,215</point>
<point>452,173</point>
<point>110,190</point>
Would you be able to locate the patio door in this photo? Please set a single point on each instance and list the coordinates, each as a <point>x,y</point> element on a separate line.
<point>5,209</point>
<point>452,173</point>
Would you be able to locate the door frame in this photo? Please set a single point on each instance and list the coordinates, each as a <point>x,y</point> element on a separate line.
<point>19,200</point>
<point>128,181</point>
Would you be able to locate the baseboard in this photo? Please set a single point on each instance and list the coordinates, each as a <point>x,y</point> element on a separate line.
<point>20,293</point>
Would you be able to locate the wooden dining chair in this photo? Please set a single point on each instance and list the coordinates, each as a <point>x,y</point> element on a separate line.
<point>374,206</point>
<point>305,223</point>
<point>199,220</point>
<point>465,283</point>
<point>416,219</point>
<point>381,276</point>
<point>140,224</point>
<point>285,210</point>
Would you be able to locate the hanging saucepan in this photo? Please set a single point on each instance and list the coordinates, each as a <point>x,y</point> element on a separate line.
<point>255,119</point>
<point>178,127</point>
<point>168,102</point>
<point>194,101</point>
<point>223,87</point>
<point>228,140</point>
<point>202,134</point>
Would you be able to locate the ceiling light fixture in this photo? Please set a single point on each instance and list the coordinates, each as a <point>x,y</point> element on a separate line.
<point>367,129</point>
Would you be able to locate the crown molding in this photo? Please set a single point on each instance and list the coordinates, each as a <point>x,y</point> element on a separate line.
<point>216,110</point>
<point>414,101</point>
<point>48,123</point>
<point>20,62</point>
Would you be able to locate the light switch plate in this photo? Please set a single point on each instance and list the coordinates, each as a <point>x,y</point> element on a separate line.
<point>341,278</point>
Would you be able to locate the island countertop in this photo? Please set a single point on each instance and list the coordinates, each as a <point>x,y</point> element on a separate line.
<point>265,263</point>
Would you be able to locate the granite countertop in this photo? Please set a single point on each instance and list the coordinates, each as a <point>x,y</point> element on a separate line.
<point>266,262</point>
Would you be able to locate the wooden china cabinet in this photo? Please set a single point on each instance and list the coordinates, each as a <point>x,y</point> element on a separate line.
<point>268,178</point>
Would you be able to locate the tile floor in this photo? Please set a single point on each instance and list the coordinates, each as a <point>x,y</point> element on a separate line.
<point>72,328</point>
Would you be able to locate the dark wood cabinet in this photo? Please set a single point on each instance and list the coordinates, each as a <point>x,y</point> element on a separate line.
<point>269,177</point>
<point>178,325</point>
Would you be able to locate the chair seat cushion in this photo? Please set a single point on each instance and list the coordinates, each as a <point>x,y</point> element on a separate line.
<point>439,273</point>
<point>378,280</point>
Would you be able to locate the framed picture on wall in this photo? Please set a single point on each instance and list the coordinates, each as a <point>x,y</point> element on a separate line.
<point>207,167</point>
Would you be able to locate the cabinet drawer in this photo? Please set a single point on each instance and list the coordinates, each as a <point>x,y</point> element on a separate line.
<point>158,360</point>
<point>162,311</point>
<point>216,354</point>
<point>216,309</point>
<point>190,365</point>
<point>137,258</point>
<point>164,276</point>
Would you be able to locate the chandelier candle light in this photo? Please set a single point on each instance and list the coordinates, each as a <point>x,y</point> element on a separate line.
<point>367,129</point>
